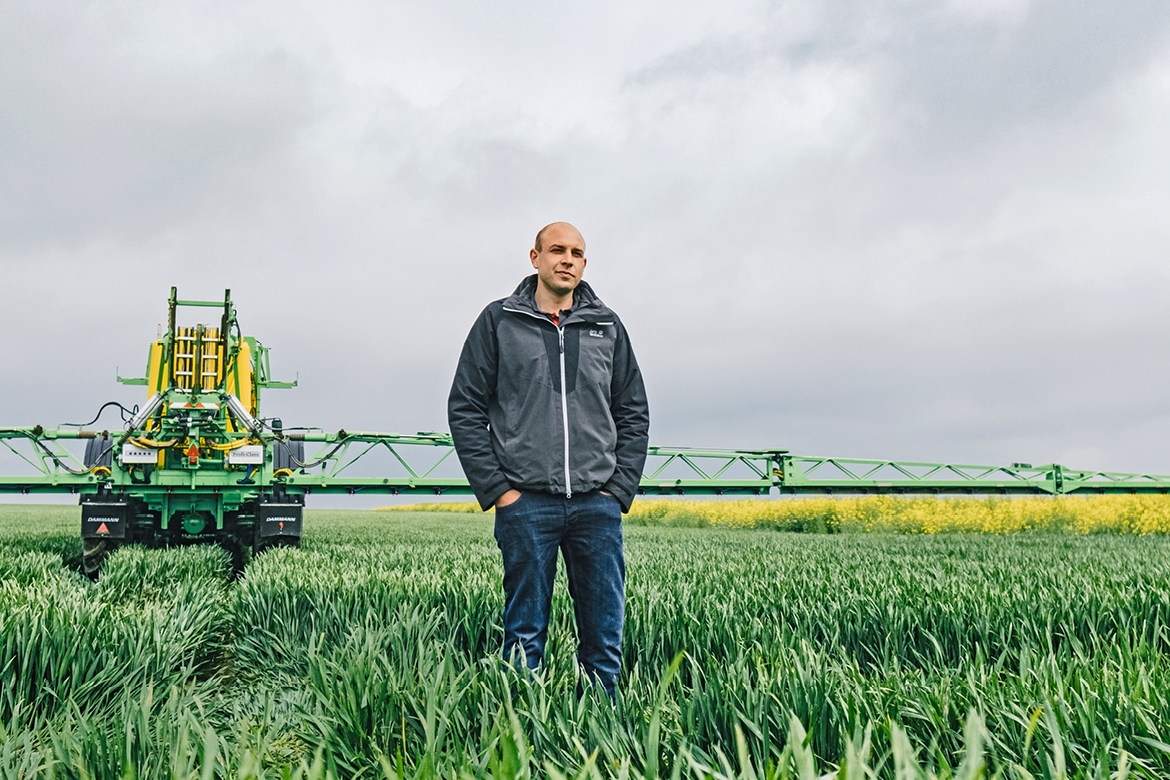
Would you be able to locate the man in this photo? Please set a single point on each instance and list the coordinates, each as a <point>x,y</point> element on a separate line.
<point>550,421</point>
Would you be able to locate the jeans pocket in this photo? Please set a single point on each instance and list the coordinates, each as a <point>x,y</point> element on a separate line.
<point>612,502</point>
<point>509,507</point>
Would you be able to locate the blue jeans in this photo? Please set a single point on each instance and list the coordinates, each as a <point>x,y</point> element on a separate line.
<point>587,529</point>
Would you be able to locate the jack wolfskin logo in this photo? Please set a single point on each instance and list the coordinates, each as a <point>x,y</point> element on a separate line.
<point>598,333</point>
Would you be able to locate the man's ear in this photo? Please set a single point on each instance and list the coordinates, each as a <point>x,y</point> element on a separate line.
<point>532,255</point>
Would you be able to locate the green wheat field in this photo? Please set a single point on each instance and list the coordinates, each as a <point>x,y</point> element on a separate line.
<point>750,653</point>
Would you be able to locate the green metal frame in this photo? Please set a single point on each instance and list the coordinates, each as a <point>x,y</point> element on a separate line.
<point>802,474</point>
<point>212,484</point>
<point>670,471</point>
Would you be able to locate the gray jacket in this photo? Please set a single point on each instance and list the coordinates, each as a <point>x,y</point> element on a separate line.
<point>510,420</point>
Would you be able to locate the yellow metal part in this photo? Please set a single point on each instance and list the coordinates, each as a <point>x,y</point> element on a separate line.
<point>198,358</point>
<point>183,366</point>
<point>239,378</point>
<point>155,370</point>
<point>210,359</point>
<point>156,374</point>
<point>282,473</point>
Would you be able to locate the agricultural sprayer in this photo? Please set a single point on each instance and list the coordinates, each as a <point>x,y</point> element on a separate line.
<point>196,462</point>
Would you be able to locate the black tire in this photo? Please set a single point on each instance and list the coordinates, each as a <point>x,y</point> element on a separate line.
<point>237,552</point>
<point>94,553</point>
<point>286,454</point>
<point>99,452</point>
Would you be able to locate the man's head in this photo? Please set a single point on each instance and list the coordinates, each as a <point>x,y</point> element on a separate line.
<point>559,258</point>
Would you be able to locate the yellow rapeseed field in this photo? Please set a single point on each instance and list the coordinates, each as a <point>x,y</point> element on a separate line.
<point>1129,514</point>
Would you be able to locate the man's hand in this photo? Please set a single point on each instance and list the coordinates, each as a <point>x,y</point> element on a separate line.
<point>510,497</point>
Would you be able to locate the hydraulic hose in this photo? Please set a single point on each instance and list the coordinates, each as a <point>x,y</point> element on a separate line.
<point>57,458</point>
<point>317,462</point>
<point>150,444</point>
<point>231,445</point>
<point>123,409</point>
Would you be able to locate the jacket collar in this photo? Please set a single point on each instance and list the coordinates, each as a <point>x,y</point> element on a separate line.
<point>587,307</point>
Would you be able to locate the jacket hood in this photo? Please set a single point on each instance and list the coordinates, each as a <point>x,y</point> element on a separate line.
<point>586,305</point>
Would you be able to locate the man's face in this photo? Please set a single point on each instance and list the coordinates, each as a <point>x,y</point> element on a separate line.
<point>561,260</point>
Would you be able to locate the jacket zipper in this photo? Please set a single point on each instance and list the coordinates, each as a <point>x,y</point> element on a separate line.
<point>564,393</point>
<point>565,412</point>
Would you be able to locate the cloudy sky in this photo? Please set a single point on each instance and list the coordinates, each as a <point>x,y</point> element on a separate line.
<point>915,230</point>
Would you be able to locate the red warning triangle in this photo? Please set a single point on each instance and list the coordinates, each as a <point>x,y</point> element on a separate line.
<point>102,529</point>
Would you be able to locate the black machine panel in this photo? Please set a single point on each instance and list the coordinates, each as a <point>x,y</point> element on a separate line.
<point>106,520</point>
<point>279,520</point>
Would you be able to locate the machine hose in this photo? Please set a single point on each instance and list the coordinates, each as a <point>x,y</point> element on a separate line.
<point>317,462</point>
<point>56,458</point>
<point>231,445</point>
<point>123,410</point>
<point>150,444</point>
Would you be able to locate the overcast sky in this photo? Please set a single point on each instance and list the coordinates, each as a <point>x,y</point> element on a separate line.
<point>913,230</point>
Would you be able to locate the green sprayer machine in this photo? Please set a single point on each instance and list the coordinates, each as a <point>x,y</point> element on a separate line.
<point>196,462</point>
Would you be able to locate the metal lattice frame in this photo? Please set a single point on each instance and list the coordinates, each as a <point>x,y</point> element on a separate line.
<point>670,470</point>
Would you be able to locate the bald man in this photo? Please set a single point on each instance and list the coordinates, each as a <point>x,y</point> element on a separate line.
<point>550,421</point>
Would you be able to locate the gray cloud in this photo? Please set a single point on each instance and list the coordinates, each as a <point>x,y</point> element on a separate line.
<point>109,136</point>
<point>899,229</point>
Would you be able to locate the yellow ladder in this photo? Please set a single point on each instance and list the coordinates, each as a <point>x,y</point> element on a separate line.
<point>198,358</point>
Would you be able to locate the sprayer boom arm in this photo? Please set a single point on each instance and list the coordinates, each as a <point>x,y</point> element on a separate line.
<point>669,470</point>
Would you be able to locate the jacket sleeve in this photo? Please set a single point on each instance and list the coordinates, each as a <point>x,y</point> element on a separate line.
<point>467,410</point>
<point>631,417</point>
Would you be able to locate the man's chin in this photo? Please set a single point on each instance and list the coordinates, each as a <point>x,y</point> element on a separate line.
<point>561,289</point>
